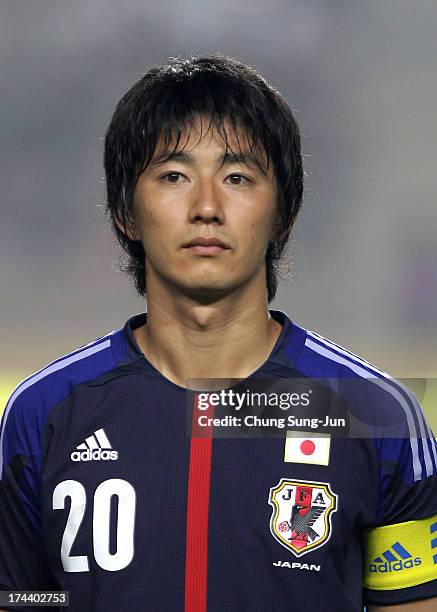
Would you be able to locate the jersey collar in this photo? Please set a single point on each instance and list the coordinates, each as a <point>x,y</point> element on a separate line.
<point>281,361</point>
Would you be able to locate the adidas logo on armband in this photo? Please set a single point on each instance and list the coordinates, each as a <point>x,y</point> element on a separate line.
<point>394,559</point>
<point>96,447</point>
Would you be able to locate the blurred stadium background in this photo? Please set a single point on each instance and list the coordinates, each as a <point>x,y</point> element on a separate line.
<point>362,79</point>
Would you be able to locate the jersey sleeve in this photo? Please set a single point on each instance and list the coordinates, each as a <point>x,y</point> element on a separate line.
<point>400,549</point>
<point>23,563</point>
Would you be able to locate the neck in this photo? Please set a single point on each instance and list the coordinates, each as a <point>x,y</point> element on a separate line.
<point>229,338</point>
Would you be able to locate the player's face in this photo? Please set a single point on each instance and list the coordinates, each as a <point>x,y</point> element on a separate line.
<point>180,205</point>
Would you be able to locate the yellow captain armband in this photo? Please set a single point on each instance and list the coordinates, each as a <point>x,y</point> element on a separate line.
<point>401,555</point>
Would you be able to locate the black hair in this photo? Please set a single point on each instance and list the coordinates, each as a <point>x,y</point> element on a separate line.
<point>164,103</point>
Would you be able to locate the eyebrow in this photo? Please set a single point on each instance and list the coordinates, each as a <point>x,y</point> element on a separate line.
<point>228,158</point>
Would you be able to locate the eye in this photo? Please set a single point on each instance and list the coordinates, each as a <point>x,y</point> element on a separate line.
<point>171,176</point>
<point>238,177</point>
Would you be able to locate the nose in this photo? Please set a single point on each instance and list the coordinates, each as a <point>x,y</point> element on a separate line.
<point>206,205</point>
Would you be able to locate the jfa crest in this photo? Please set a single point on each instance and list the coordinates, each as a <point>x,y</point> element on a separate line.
<point>301,516</point>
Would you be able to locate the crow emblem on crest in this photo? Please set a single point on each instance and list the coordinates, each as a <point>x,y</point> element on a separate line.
<point>303,523</point>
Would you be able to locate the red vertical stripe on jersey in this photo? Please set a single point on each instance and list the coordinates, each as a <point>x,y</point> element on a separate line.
<point>196,557</point>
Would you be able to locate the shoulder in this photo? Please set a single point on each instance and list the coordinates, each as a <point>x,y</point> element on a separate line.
<point>324,358</point>
<point>81,364</point>
<point>34,397</point>
<point>326,355</point>
<point>378,399</point>
<point>316,356</point>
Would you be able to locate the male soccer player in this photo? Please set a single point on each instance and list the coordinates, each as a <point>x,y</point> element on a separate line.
<point>104,495</point>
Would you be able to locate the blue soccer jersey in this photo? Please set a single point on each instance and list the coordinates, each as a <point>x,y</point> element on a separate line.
<point>103,493</point>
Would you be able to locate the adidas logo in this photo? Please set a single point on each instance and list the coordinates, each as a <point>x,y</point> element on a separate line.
<point>96,447</point>
<point>394,559</point>
<point>433,530</point>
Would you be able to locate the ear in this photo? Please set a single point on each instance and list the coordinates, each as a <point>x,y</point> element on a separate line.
<point>129,230</point>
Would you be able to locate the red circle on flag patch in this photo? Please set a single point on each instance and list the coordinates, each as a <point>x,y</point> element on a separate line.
<point>307,447</point>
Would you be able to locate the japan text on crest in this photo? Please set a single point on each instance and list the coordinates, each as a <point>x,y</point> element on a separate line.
<point>301,516</point>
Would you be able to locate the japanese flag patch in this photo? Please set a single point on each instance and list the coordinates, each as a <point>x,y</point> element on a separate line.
<point>301,447</point>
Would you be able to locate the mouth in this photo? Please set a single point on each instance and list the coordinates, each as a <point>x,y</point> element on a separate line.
<point>206,246</point>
